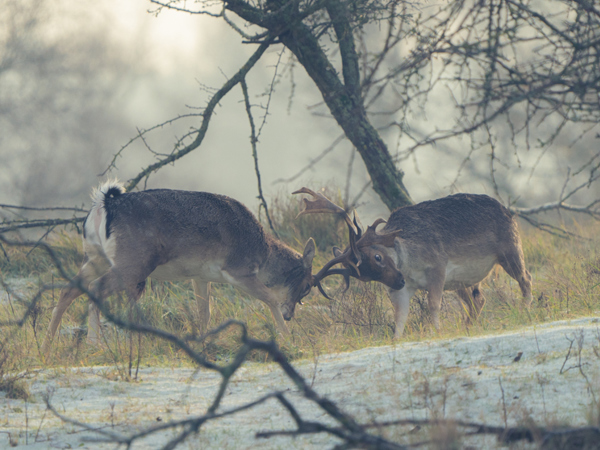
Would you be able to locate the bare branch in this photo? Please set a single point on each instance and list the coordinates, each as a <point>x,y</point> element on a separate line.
<point>41,223</point>
<point>206,116</point>
<point>253,140</point>
<point>50,208</point>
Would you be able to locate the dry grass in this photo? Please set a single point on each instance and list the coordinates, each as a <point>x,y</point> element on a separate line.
<point>566,277</point>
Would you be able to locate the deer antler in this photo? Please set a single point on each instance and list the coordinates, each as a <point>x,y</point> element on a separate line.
<point>372,236</point>
<point>322,204</point>
<point>351,257</point>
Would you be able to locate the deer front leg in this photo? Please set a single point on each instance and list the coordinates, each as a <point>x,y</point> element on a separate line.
<point>93,336</point>
<point>434,299</point>
<point>401,303</point>
<point>253,286</point>
<point>202,294</point>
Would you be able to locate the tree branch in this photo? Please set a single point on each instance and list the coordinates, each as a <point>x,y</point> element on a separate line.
<point>253,141</point>
<point>206,116</point>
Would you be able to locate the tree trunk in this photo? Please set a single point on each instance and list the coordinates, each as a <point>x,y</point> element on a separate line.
<point>344,101</point>
<point>350,115</point>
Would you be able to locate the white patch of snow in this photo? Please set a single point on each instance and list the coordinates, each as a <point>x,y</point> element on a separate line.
<point>405,381</point>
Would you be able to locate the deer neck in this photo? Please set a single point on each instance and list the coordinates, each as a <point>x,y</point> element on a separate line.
<point>282,267</point>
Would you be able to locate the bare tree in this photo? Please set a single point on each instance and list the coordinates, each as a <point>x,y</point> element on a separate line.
<point>519,75</point>
<point>509,84</point>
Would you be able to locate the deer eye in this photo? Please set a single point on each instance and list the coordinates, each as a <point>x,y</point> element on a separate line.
<point>377,257</point>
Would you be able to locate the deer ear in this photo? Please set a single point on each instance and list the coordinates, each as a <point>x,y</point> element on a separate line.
<point>309,253</point>
<point>336,251</point>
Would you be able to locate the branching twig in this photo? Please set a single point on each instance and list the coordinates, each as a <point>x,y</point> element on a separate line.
<point>206,116</point>
<point>253,141</point>
<point>352,433</point>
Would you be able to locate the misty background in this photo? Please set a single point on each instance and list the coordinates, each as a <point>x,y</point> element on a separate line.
<point>78,80</point>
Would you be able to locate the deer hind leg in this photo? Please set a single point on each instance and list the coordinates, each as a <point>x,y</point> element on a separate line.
<point>202,294</point>
<point>131,279</point>
<point>473,300</point>
<point>401,303</point>
<point>513,263</point>
<point>94,324</point>
<point>88,272</point>
<point>434,299</point>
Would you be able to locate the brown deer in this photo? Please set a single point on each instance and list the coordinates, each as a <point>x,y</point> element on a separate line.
<point>451,243</point>
<point>179,235</point>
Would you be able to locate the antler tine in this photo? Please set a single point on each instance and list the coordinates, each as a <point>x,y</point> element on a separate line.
<point>358,225</point>
<point>344,272</point>
<point>377,223</point>
<point>322,204</point>
<point>371,236</point>
<point>343,258</point>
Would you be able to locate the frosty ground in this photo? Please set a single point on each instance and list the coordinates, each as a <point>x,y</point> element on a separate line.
<point>475,379</point>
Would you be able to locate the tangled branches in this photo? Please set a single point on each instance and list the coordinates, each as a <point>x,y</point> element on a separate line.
<point>344,429</point>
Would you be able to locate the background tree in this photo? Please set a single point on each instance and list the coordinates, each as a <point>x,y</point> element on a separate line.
<point>475,95</point>
<point>520,75</point>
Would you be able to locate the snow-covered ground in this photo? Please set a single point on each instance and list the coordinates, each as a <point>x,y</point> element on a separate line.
<point>475,379</point>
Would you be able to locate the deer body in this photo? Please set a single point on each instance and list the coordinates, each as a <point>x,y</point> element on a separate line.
<point>174,235</point>
<point>450,243</point>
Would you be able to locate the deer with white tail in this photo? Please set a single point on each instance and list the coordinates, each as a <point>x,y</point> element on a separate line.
<point>179,235</point>
<point>451,243</point>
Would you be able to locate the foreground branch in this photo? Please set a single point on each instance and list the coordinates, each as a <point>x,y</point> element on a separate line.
<point>351,433</point>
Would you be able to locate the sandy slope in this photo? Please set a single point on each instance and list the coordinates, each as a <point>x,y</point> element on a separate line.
<point>459,378</point>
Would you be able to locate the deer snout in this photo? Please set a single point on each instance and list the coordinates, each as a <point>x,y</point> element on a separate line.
<point>398,283</point>
<point>288,310</point>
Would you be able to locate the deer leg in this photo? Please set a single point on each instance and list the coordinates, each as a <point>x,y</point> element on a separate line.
<point>86,274</point>
<point>202,294</point>
<point>514,264</point>
<point>434,299</point>
<point>474,300</point>
<point>117,279</point>
<point>93,336</point>
<point>253,286</point>
<point>94,324</point>
<point>401,303</point>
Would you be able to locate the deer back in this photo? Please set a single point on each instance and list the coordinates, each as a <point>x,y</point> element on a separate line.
<point>460,225</point>
<point>180,224</point>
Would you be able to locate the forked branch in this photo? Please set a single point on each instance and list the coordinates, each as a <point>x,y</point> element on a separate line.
<point>206,116</point>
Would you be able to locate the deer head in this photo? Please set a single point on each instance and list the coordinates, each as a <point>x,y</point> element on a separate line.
<point>298,280</point>
<point>367,258</point>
